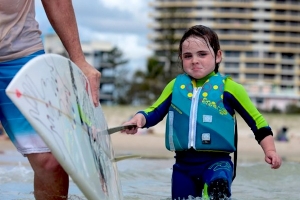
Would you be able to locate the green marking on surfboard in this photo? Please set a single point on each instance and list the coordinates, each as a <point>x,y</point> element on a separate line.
<point>83,117</point>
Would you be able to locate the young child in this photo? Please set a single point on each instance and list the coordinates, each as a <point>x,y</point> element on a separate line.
<point>200,105</point>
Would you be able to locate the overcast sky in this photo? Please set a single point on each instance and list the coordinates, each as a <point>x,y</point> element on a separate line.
<point>123,23</point>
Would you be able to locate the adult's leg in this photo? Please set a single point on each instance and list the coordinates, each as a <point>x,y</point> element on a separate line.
<point>3,135</point>
<point>51,182</point>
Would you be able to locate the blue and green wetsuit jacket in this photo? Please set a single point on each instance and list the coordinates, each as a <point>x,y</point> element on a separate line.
<point>200,113</point>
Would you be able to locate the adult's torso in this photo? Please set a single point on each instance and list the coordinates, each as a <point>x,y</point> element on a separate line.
<point>19,31</point>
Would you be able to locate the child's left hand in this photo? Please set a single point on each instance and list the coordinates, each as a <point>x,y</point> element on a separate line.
<point>272,158</point>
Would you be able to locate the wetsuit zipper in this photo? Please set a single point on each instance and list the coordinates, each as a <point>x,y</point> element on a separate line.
<point>193,117</point>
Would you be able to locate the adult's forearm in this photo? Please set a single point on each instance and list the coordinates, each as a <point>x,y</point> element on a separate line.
<point>62,18</point>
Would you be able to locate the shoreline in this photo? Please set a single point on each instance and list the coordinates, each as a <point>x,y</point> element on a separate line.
<point>152,146</point>
<point>151,143</point>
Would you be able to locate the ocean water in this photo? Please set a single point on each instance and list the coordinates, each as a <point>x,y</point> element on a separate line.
<point>150,179</point>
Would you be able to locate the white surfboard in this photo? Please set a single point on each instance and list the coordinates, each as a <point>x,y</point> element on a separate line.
<point>54,95</point>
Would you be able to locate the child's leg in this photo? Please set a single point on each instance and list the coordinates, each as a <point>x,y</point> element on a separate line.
<point>218,179</point>
<point>184,184</point>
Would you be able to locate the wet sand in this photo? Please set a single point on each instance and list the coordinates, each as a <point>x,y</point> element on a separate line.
<point>151,144</point>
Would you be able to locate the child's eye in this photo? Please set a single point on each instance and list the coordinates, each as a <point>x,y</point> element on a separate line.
<point>187,56</point>
<point>202,54</point>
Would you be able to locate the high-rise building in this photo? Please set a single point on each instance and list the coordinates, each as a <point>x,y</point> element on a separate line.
<point>260,40</point>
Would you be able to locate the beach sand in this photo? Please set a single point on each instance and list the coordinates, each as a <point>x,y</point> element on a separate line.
<point>153,145</point>
<point>150,144</point>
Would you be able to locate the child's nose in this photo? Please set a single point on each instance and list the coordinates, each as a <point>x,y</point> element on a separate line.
<point>194,59</point>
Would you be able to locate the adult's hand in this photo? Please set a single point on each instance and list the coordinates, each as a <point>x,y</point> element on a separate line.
<point>62,18</point>
<point>93,77</point>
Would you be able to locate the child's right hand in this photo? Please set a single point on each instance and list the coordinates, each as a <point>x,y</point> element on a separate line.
<point>139,120</point>
<point>272,158</point>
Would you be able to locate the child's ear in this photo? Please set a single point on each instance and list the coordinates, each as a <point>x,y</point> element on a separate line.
<point>219,56</point>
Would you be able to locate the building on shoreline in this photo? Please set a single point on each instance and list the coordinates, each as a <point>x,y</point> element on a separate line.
<point>260,40</point>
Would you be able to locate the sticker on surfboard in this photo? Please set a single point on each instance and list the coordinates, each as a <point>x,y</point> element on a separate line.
<point>54,96</point>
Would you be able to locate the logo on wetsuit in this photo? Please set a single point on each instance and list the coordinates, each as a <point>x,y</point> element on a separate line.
<point>220,165</point>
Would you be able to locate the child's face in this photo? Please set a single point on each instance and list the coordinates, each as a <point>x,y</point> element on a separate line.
<point>198,59</point>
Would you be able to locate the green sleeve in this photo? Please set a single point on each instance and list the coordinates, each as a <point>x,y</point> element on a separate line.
<point>244,106</point>
<point>157,111</point>
<point>162,98</point>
